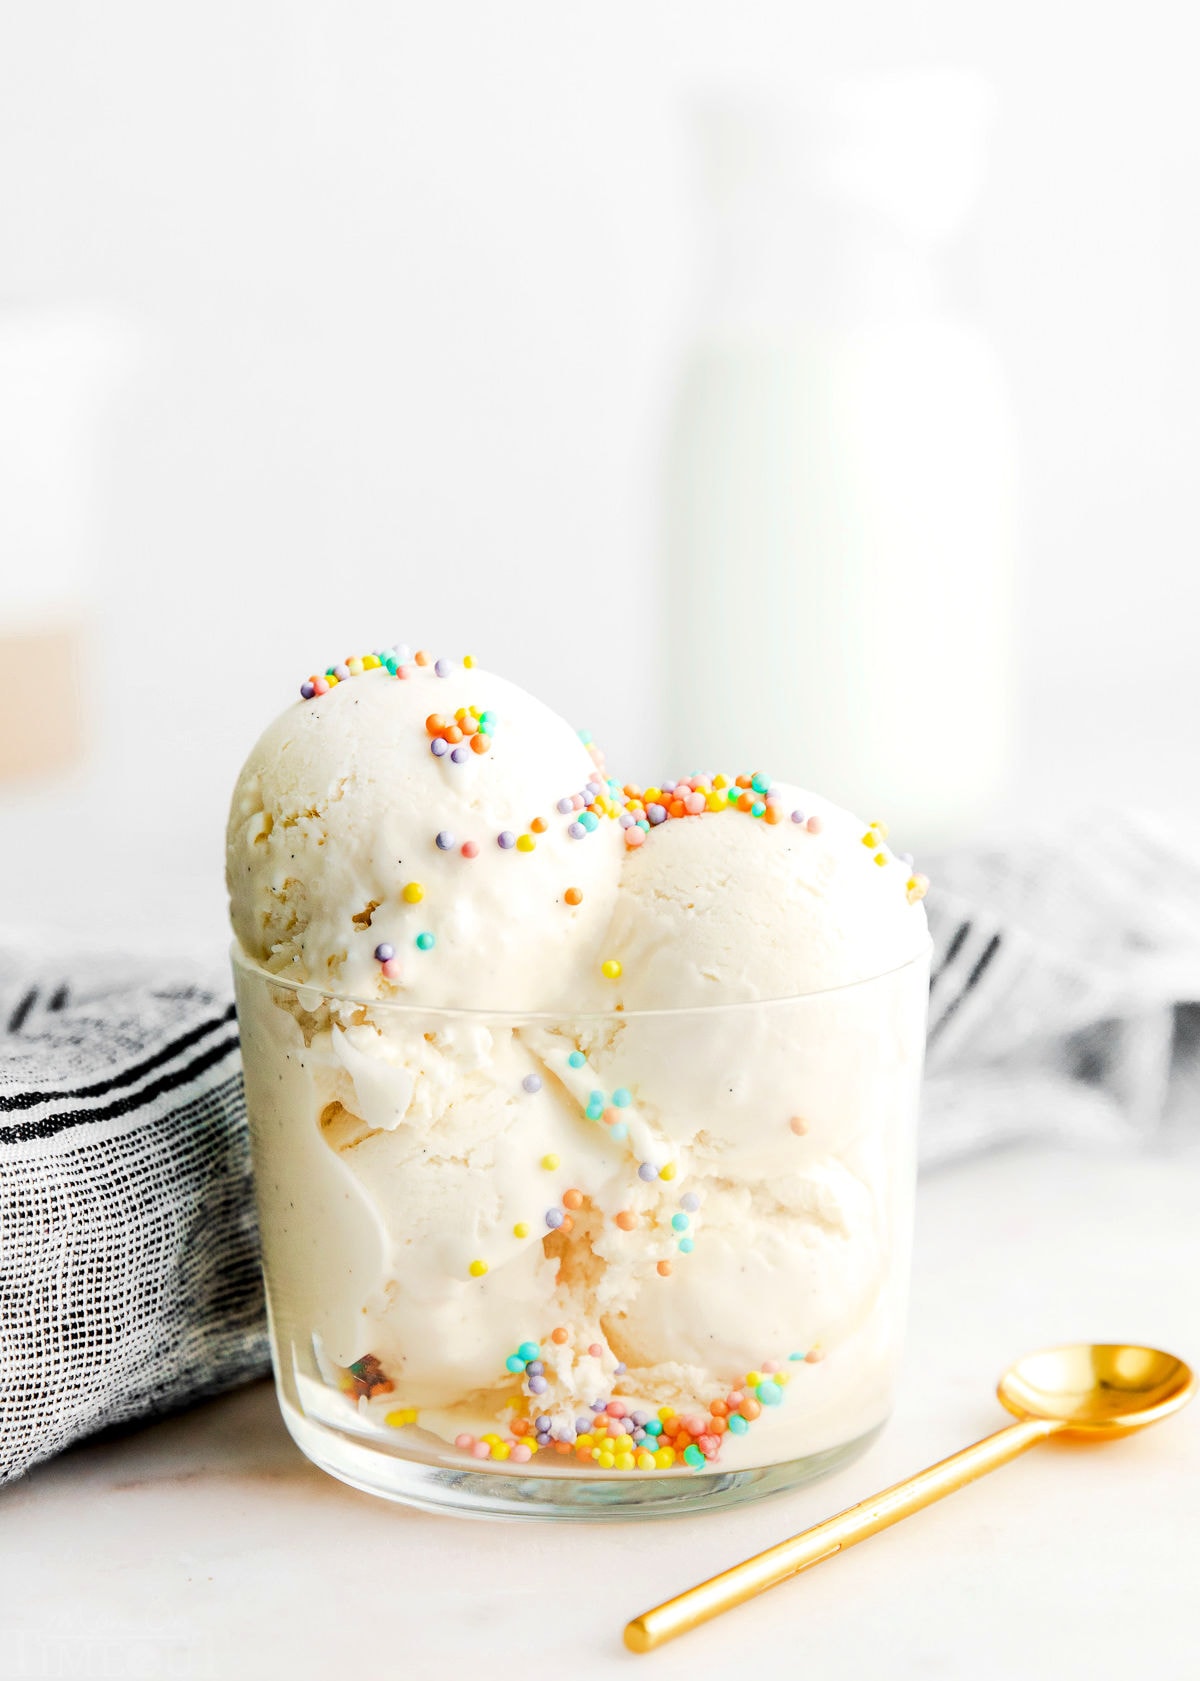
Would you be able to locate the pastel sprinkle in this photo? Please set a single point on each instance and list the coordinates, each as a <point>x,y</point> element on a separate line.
<point>520,1229</point>
<point>647,1171</point>
<point>610,969</point>
<point>477,1269</point>
<point>573,895</point>
<point>690,1201</point>
<point>506,839</point>
<point>470,849</point>
<point>686,1245</point>
<point>444,840</point>
<point>577,1059</point>
<point>554,1218</point>
<point>525,843</point>
<point>442,667</point>
<point>622,1097</point>
<point>384,953</point>
<point>529,1351</point>
<point>438,747</point>
<point>391,969</point>
<point>532,1082</point>
<point>550,1163</point>
<point>425,942</point>
<point>413,893</point>
<point>680,1222</point>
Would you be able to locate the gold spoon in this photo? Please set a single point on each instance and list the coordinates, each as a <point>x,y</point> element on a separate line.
<point>1092,1390</point>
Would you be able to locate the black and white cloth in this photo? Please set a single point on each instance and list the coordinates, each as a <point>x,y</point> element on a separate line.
<point>1065,1003</point>
<point>129,1276</point>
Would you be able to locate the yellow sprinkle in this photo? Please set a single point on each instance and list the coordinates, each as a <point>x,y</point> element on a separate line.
<point>606,1461</point>
<point>720,782</point>
<point>753,1379</point>
<point>549,1163</point>
<point>881,857</point>
<point>333,681</point>
<point>475,712</point>
<point>716,802</point>
<point>402,1415</point>
<point>413,893</point>
<point>525,843</point>
<point>490,1438</point>
<point>881,829</point>
<point>370,662</point>
<point>530,1442</point>
<point>665,1458</point>
<point>610,968</point>
<point>645,1460</point>
<point>469,661</point>
<point>652,796</point>
<point>500,1450</point>
<point>916,888</point>
<point>625,1462</point>
<point>584,1441</point>
<point>665,1413</point>
<point>667,1172</point>
<point>477,1269</point>
<point>623,1444</point>
<point>520,1229</point>
<point>870,838</point>
<point>782,1379</point>
<point>354,667</point>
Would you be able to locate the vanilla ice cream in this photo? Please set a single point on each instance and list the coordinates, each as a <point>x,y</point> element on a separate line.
<point>614,1175</point>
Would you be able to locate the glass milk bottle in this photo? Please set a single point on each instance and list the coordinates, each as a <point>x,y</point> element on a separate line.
<point>839,481</point>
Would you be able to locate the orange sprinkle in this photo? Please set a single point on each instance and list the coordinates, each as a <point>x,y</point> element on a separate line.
<point>520,1427</point>
<point>435,723</point>
<point>741,781</point>
<point>626,1220</point>
<point>718,1409</point>
<point>718,1425</point>
<point>480,742</point>
<point>559,1335</point>
<point>574,895</point>
<point>745,801</point>
<point>452,734</point>
<point>750,1411</point>
<point>676,808</point>
<point>798,1125</point>
<point>568,1225</point>
<point>611,1116</point>
<point>422,658</point>
<point>572,1199</point>
<point>773,814</point>
<point>664,1269</point>
<point>538,825</point>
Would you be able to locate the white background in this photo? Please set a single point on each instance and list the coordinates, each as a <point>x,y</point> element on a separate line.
<point>404,287</point>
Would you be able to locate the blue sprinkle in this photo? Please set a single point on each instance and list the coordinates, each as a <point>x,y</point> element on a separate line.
<point>594,1111</point>
<point>795,1356</point>
<point>514,1363</point>
<point>738,1424</point>
<point>577,1059</point>
<point>529,1351</point>
<point>686,1245</point>
<point>619,1131</point>
<point>622,1097</point>
<point>590,821</point>
<point>769,1394</point>
<point>680,1222</point>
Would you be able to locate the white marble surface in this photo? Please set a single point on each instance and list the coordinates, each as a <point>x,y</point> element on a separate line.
<point>207,1547</point>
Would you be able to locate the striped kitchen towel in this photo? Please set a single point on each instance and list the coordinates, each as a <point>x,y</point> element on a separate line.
<point>1065,995</point>
<point>129,1279</point>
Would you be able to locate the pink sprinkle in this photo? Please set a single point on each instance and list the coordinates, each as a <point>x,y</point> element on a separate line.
<point>470,849</point>
<point>615,1427</point>
<point>695,804</point>
<point>465,1442</point>
<point>813,825</point>
<point>578,802</point>
<point>611,1116</point>
<point>735,1398</point>
<point>634,837</point>
<point>320,686</point>
<point>616,1409</point>
<point>769,1366</point>
<point>521,1453</point>
<point>798,1125</point>
<point>404,671</point>
<point>709,1446</point>
<point>481,1450</point>
<point>814,1357</point>
<point>596,1349</point>
<point>391,969</point>
<point>694,1425</point>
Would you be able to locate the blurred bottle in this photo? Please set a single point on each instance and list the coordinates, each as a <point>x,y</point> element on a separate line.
<point>57,370</point>
<point>839,510</point>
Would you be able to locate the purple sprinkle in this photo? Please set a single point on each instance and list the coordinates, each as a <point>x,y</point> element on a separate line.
<point>438,747</point>
<point>906,858</point>
<point>535,1368</point>
<point>582,1424</point>
<point>690,1201</point>
<point>505,839</point>
<point>459,755</point>
<point>532,1082</point>
<point>566,804</point>
<point>640,1418</point>
<point>341,672</point>
<point>307,691</point>
<point>543,1421</point>
<point>618,1368</point>
<point>444,840</point>
<point>554,1218</point>
<point>538,1386</point>
<point>597,1406</point>
<point>442,667</point>
<point>594,788</point>
<point>543,1438</point>
<point>656,813</point>
<point>668,787</point>
<point>627,820</point>
<point>639,1436</point>
<point>647,1171</point>
<point>384,953</point>
<point>797,817</point>
<point>576,831</point>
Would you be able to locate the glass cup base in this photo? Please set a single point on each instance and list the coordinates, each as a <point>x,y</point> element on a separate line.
<point>552,1497</point>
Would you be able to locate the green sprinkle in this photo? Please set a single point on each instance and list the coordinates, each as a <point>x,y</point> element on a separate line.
<point>760,783</point>
<point>686,1245</point>
<point>731,796</point>
<point>529,1351</point>
<point>738,1424</point>
<point>653,1427</point>
<point>757,809</point>
<point>769,1394</point>
<point>693,1456</point>
<point>425,942</point>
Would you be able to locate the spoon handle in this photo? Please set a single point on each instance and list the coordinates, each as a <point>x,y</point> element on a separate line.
<point>754,1575</point>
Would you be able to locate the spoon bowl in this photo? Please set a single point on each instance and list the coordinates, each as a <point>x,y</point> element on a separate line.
<point>1097,1389</point>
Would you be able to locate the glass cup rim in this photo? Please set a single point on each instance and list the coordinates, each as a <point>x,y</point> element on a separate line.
<point>398,1010</point>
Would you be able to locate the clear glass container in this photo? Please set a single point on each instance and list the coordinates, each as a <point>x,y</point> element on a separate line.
<point>584,1266</point>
